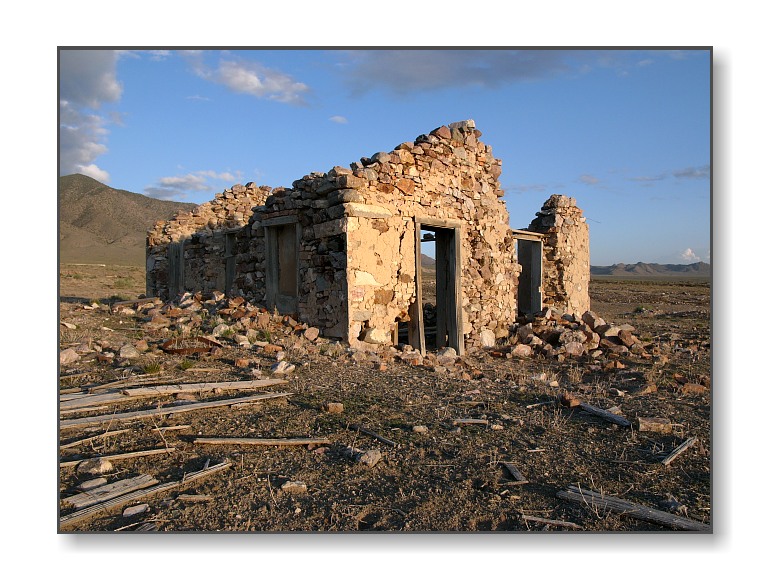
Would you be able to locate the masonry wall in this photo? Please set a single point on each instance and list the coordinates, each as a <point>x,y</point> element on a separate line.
<point>198,238</point>
<point>566,257</point>
<point>447,176</point>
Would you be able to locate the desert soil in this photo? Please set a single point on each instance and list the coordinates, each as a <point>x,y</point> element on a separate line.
<point>449,477</point>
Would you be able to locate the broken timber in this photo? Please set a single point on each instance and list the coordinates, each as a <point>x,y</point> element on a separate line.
<point>679,450</point>
<point>160,411</point>
<point>518,478</point>
<point>92,438</point>
<point>109,491</point>
<point>605,415</point>
<point>555,522</point>
<point>128,497</point>
<point>372,434</point>
<point>598,501</point>
<point>261,442</point>
<point>118,456</point>
<point>76,401</point>
<point>458,421</point>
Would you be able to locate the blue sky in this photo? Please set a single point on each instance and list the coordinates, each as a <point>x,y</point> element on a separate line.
<point>625,132</point>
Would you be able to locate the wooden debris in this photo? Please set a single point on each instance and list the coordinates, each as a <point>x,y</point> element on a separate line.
<point>129,497</point>
<point>160,411</point>
<point>518,478</point>
<point>109,491</point>
<point>287,442</point>
<point>459,421</point>
<point>537,404</point>
<point>599,502</point>
<point>92,438</point>
<point>605,415</point>
<point>555,522</point>
<point>175,427</point>
<point>116,456</point>
<point>679,450</point>
<point>189,498</point>
<point>374,435</point>
<point>79,401</point>
<point>654,424</point>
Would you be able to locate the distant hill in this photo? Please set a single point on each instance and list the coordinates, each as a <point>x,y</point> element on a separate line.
<point>99,224</point>
<point>653,270</point>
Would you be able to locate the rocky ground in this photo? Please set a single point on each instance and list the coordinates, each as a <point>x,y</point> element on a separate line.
<point>391,441</point>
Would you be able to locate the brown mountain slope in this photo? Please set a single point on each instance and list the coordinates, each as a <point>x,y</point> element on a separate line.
<point>99,224</point>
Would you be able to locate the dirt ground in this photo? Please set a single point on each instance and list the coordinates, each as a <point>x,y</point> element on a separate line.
<point>447,476</point>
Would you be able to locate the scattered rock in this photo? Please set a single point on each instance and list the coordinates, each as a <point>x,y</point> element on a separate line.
<point>487,338</point>
<point>311,333</point>
<point>651,424</point>
<point>68,356</point>
<point>690,388</point>
<point>334,407</point>
<point>96,466</point>
<point>135,510</point>
<point>420,428</point>
<point>129,352</point>
<point>294,487</point>
<point>282,368</point>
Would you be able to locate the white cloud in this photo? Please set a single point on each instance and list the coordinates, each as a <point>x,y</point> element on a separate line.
<point>87,80</point>
<point>251,78</point>
<point>689,256</point>
<point>338,119</point>
<point>179,187</point>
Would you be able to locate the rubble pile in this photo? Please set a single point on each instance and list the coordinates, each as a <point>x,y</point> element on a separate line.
<point>564,335</point>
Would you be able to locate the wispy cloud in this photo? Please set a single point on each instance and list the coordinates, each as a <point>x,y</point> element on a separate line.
<point>180,187</point>
<point>689,173</point>
<point>589,180</point>
<point>87,80</point>
<point>251,78</point>
<point>338,119</point>
<point>693,173</point>
<point>405,71</point>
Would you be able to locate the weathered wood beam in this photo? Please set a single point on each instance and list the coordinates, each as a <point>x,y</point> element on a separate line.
<point>162,411</point>
<point>78,516</point>
<point>600,502</point>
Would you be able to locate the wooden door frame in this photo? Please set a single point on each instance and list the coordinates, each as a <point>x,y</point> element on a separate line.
<point>453,300</point>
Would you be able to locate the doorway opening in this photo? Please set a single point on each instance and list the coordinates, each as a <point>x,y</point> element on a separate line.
<point>436,317</point>
<point>530,290</point>
<point>282,265</point>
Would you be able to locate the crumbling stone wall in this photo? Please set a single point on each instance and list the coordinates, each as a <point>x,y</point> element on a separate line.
<point>450,177</point>
<point>198,239</point>
<point>356,257</point>
<point>566,261</point>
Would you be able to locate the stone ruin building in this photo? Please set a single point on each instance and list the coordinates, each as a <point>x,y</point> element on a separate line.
<point>342,250</point>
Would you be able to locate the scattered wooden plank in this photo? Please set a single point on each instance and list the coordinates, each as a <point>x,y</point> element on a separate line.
<point>77,402</point>
<point>654,424</point>
<point>162,411</point>
<point>605,415</point>
<point>92,438</point>
<point>600,502</point>
<point>109,491</point>
<point>371,433</point>
<point>536,404</point>
<point>285,442</point>
<point>556,522</point>
<point>118,456</point>
<point>193,498</point>
<point>459,421</point>
<point>82,514</point>
<point>679,450</point>
<point>175,427</point>
<point>518,478</point>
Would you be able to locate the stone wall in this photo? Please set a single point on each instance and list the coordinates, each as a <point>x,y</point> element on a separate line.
<point>198,239</point>
<point>446,177</point>
<point>356,257</point>
<point>566,260</point>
